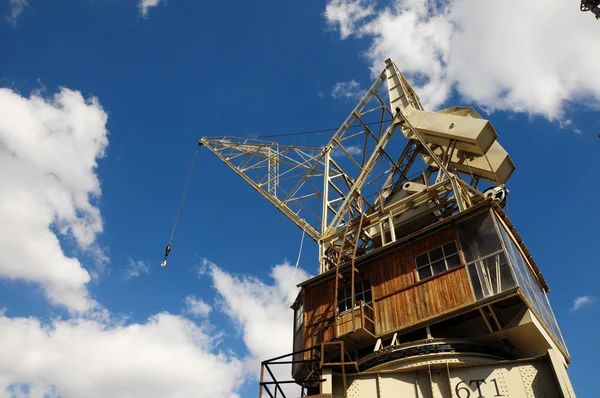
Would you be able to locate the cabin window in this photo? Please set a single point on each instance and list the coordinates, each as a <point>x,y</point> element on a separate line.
<point>362,292</point>
<point>437,260</point>
<point>298,317</point>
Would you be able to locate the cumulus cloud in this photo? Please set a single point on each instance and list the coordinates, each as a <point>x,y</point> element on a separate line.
<point>347,90</point>
<point>347,14</point>
<point>136,268</point>
<point>582,301</point>
<point>261,311</point>
<point>167,356</point>
<point>530,57</point>
<point>51,147</point>
<point>196,307</point>
<point>16,8</point>
<point>145,6</point>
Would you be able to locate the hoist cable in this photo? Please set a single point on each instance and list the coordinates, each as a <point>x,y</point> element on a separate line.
<point>297,262</point>
<point>316,131</point>
<point>187,183</point>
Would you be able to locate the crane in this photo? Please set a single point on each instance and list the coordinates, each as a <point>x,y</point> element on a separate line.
<point>386,164</point>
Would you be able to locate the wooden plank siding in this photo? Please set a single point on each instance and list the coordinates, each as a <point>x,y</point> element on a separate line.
<point>319,313</point>
<point>399,298</point>
<point>435,296</point>
<point>402,300</point>
<point>363,319</point>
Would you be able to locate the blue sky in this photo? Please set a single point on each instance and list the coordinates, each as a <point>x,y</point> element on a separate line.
<point>164,78</point>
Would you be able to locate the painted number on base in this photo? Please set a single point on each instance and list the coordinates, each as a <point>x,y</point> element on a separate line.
<point>464,388</point>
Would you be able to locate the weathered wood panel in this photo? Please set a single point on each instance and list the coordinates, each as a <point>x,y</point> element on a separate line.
<point>435,296</point>
<point>319,313</point>
<point>344,322</point>
<point>363,319</point>
<point>400,299</point>
<point>396,270</point>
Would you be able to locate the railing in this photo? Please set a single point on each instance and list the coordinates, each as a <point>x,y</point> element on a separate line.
<point>368,317</point>
<point>280,387</point>
<point>319,356</point>
<point>358,318</point>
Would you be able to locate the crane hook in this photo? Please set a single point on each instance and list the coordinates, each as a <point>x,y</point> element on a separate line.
<point>167,251</point>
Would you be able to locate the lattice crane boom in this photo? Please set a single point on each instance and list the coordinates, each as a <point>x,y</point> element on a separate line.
<point>321,189</point>
<point>359,174</point>
<point>271,168</point>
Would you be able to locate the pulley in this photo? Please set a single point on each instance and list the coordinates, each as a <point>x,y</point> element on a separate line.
<point>497,193</point>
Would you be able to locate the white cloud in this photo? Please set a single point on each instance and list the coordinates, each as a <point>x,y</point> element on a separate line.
<point>146,5</point>
<point>507,55</point>
<point>347,14</point>
<point>347,90</point>
<point>50,148</point>
<point>48,153</point>
<point>136,268</point>
<point>261,311</point>
<point>196,307</point>
<point>351,149</point>
<point>16,8</point>
<point>167,356</point>
<point>582,302</point>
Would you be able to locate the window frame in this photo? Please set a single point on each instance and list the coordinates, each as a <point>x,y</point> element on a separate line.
<point>365,283</point>
<point>444,258</point>
<point>298,316</point>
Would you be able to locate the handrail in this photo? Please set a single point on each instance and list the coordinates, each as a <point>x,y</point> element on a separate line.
<point>364,313</point>
<point>314,376</point>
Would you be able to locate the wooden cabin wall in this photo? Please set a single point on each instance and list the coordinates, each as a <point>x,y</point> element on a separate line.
<point>417,303</point>
<point>319,313</point>
<point>401,300</point>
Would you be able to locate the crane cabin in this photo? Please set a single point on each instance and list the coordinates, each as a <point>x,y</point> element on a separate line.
<point>425,288</point>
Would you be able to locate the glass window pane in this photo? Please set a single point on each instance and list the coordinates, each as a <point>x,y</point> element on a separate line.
<point>475,281</point>
<point>436,254</point>
<point>529,283</point>
<point>368,297</point>
<point>490,276</point>
<point>438,266</point>
<point>359,287</point>
<point>453,261</point>
<point>358,297</point>
<point>424,272</point>
<point>422,260</point>
<point>344,305</point>
<point>478,237</point>
<point>508,282</point>
<point>450,248</point>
